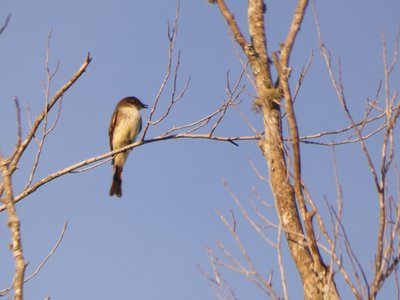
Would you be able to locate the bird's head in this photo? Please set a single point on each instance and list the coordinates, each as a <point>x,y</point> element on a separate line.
<point>133,101</point>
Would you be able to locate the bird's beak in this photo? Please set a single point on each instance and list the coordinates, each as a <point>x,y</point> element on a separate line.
<point>145,105</point>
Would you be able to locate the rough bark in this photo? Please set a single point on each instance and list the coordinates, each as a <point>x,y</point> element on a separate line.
<point>14,226</point>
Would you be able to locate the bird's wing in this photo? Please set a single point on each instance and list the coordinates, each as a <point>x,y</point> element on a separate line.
<point>112,127</point>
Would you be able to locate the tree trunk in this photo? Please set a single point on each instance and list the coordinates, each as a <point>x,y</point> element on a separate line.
<point>317,281</point>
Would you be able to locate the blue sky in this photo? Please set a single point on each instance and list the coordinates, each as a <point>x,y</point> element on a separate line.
<point>148,244</point>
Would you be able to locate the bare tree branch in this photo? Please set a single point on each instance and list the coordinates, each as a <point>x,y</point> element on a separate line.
<point>230,19</point>
<point>5,23</point>
<point>15,230</point>
<point>259,281</point>
<point>39,119</point>
<point>41,265</point>
<point>172,39</point>
<point>391,112</point>
<point>45,131</point>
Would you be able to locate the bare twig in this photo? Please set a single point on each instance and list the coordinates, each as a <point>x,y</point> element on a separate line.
<point>172,39</point>
<point>280,262</point>
<point>5,23</point>
<point>342,130</point>
<point>39,119</point>
<point>224,291</point>
<point>302,76</point>
<point>64,229</point>
<point>391,113</point>
<point>19,129</point>
<point>260,282</point>
<point>257,172</point>
<point>340,206</point>
<point>247,217</point>
<point>173,98</point>
<point>45,131</point>
<point>44,261</point>
<point>232,98</point>
<point>337,259</point>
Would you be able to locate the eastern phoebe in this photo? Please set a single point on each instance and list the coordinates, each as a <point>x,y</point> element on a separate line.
<point>125,126</point>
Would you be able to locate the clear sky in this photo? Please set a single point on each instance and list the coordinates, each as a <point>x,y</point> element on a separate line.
<point>148,244</point>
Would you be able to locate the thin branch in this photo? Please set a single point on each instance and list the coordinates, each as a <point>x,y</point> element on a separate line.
<point>294,29</point>
<point>257,172</point>
<point>20,150</point>
<point>345,141</point>
<point>173,99</point>
<point>338,86</point>
<point>387,152</point>
<point>230,19</point>
<point>19,129</point>
<point>324,231</point>
<point>232,98</point>
<point>247,217</point>
<point>94,159</point>
<point>45,131</point>
<point>5,23</point>
<point>64,229</point>
<point>303,72</point>
<point>171,38</point>
<point>235,265</point>
<point>93,166</point>
<point>44,261</point>
<point>280,262</point>
<point>196,125</point>
<point>266,286</point>
<point>342,130</point>
<point>336,226</point>
<point>386,158</point>
<point>219,281</point>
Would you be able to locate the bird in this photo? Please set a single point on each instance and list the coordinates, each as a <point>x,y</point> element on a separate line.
<point>125,126</point>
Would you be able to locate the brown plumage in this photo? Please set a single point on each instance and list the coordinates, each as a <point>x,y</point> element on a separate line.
<point>116,188</point>
<point>125,126</point>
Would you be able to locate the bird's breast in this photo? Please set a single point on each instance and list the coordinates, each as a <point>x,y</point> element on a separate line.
<point>126,128</point>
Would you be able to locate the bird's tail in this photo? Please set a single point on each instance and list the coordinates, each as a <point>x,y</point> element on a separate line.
<point>116,188</point>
